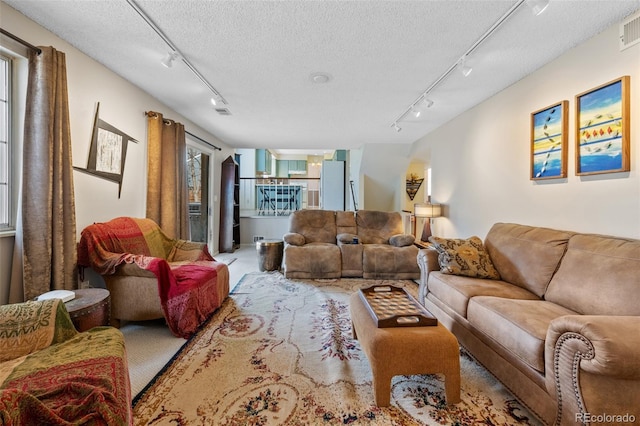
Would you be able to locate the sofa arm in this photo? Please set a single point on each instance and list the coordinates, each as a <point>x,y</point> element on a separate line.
<point>402,240</point>
<point>593,366</point>
<point>428,262</point>
<point>294,239</point>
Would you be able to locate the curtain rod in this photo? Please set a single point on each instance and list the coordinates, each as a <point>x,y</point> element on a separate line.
<point>167,121</point>
<point>21,41</point>
<point>202,140</point>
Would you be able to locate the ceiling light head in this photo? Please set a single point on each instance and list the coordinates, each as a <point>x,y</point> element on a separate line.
<point>214,101</point>
<point>464,68</point>
<point>396,127</point>
<point>416,112</point>
<point>426,102</point>
<point>538,6</point>
<point>167,61</point>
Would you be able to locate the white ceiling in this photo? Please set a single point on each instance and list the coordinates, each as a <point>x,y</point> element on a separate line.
<point>381,56</point>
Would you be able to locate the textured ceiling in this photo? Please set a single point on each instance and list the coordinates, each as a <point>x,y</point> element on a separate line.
<point>381,56</point>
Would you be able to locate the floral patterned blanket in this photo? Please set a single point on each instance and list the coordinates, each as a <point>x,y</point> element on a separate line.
<point>187,274</point>
<point>52,375</point>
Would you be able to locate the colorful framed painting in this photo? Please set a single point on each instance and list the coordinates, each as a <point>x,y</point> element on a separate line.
<point>602,129</point>
<point>549,131</point>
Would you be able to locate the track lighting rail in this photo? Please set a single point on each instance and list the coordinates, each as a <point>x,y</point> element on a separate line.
<point>175,50</point>
<point>460,61</point>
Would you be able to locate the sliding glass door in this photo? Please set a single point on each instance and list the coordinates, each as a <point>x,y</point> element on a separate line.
<point>199,184</point>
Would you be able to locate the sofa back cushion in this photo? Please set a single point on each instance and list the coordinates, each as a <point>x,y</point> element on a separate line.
<point>526,256</point>
<point>317,226</point>
<point>375,227</point>
<point>599,275</point>
<point>346,223</point>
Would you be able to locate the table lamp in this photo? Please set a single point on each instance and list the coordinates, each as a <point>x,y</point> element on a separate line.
<point>426,210</point>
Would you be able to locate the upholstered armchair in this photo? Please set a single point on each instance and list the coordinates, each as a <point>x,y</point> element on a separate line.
<point>151,276</point>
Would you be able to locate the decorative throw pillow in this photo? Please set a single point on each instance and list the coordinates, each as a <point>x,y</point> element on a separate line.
<point>401,240</point>
<point>464,257</point>
<point>31,326</point>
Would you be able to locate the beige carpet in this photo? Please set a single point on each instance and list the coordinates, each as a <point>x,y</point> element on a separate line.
<point>281,352</point>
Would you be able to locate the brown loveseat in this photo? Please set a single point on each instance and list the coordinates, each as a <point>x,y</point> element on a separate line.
<point>560,326</point>
<point>320,244</point>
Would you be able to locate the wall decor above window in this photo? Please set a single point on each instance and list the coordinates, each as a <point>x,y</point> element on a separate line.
<point>108,152</point>
<point>549,131</point>
<point>602,129</point>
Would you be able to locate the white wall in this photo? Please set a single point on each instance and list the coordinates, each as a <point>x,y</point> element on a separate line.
<point>481,160</point>
<point>121,105</point>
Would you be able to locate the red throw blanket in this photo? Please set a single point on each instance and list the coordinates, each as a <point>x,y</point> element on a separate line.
<point>186,272</point>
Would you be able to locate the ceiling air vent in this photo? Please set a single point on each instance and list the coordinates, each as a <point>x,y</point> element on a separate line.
<point>223,111</point>
<point>630,31</point>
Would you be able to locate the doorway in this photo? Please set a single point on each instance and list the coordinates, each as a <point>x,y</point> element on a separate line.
<point>198,185</point>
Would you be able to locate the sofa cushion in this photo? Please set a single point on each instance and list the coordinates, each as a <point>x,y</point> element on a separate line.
<point>526,256</point>
<point>317,226</point>
<point>346,222</point>
<point>599,275</point>
<point>456,291</point>
<point>518,326</point>
<point>375,227</point>
<point>464,257</point>
<point>351,255</point>
<point>401,240</point>
<point>382,261</point>
<point>314,260</point>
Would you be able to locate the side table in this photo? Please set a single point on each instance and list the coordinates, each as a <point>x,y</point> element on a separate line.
<point>269,254</point>
<point>90,308</point>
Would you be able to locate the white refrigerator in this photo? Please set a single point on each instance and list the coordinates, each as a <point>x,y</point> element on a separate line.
<point>332,185</point>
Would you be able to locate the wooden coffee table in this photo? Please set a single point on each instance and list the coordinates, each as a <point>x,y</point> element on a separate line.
<point>90,308</point>
<point>396,351</point>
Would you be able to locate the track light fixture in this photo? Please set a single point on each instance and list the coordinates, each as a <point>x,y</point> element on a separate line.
<point>428,103</point>
<point>464,68</point>
<point>416,112</point>
<point>538,6</point>
<point>167,61</point>
<point>396,127</point>
<point>174,53</point>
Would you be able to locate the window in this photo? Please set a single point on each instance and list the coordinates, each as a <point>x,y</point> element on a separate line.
<point>6,190</point>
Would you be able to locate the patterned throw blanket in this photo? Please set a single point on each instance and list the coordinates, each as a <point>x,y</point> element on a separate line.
<point>52,375</point>
<point>186,272</point>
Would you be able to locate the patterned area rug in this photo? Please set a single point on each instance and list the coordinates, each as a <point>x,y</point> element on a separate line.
<point>280,352</point>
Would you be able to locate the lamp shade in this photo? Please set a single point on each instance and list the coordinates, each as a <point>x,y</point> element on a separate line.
<point>427,210</point>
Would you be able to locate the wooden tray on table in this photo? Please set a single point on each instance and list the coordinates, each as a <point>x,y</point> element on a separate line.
<point>392,306</point>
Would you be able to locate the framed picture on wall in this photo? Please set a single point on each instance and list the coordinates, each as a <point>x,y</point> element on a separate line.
<point>107,152</point>
<point>602,129</point>
<point>549,131</point>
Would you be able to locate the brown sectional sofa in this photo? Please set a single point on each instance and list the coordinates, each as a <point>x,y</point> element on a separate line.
<point>560,328</point>
<point>319,244</point>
